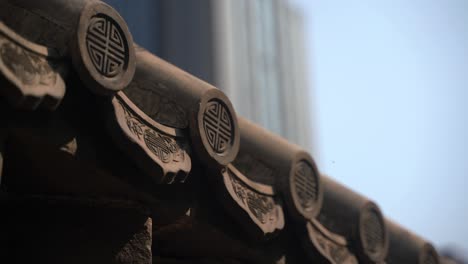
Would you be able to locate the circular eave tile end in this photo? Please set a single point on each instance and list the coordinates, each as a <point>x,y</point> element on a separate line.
<point>304,182</point>
<point>373,232</point>
<point>429,255</point>
<point>103,51</point>
<point>217,129</point>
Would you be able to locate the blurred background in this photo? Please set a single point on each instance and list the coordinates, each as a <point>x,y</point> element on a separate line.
<point>376,90</point>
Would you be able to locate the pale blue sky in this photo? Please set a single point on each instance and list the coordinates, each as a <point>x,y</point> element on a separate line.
<point>390,85</point>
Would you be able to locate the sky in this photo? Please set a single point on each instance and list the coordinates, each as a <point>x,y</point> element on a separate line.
<point>390,90</point>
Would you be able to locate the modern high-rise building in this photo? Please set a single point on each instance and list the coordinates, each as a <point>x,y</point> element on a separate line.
<point>253,50</point>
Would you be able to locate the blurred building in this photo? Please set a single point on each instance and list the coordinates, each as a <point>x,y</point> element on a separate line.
<point>253,50</point>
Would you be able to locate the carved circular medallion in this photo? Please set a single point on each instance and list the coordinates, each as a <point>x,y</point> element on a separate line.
<point>218,126</point>
<point>214,129</point>
<point>430,256</point>
<point>305,186</point>
<point>107,46</point>
<point>103,52</point>
<point>373,232</point>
